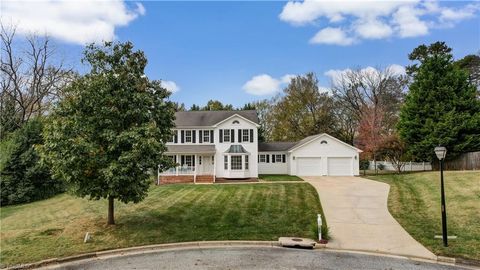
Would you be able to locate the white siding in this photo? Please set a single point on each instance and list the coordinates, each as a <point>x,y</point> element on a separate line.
<point>252,148</point>
<point>333,148</point>
<point>273,168</point>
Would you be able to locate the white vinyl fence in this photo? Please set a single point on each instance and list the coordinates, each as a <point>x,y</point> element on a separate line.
<point>408,166</point>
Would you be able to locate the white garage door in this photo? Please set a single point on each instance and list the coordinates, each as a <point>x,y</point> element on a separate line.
<point>338,166</point>
<point>309,166</point>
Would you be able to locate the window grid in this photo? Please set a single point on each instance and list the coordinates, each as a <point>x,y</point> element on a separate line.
<point>225,162</point>
<point>226,135</point>
<point>206,136</point>
<point>188,136</point>
<point>246,162</point>
<point>245,135</point>
<point>278,158</point>
<point>236,162</point>
<point>188,161</point>
<point>262,159</point>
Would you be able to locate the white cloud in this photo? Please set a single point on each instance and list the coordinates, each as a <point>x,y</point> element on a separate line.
<point>265,84</point>
<point>397,69</point>
<point>77,22</point>
<point>373,29</point>
<point>331,35</point>
<point>345,22</point>
<point>170,86</point>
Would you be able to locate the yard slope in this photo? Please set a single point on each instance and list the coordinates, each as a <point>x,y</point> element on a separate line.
<point>171,213</point>
<point>414,200</point>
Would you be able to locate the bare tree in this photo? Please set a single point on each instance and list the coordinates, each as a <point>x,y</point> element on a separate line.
<point>31,77</point>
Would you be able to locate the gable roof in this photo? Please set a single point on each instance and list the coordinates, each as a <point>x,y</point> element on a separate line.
<point>275,146</point>
<point>210,118</point>
<point>314,137</point>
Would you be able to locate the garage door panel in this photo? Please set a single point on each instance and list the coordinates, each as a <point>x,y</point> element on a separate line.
<point>309,166</point>
<point>340,166</point>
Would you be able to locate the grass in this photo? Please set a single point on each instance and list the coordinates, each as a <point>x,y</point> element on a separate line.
<point>414,200</point>
<point>279,177</point>
<point>172,213</point>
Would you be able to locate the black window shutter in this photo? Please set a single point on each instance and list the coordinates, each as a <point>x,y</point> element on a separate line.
<point>175,159</point>
<point>200,136</point>
<point>220,135</point>
<point>232,135</point>
<point>182,137</point>
<point>175,137</point>
<point>284,158</point>
<point>239,135</point>
<point>268,158</point>
<point>273,158</point>
<point>182,159</point>
<point>211,136</point>
<point>194,132</point>
<point>251,135</point>
<point>193,161</point>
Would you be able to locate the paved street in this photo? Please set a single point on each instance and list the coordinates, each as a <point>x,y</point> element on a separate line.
<point>253,258</point>
<point>357,214</point>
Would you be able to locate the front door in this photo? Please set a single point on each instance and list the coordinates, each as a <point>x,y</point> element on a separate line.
<point>207,164</point>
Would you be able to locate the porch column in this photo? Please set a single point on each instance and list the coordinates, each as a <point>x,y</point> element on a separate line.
<point>176,167</point>
<point>195,169</point>
<point>214,167</point>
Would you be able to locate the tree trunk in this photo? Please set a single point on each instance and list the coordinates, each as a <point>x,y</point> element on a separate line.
<point>111,219</point>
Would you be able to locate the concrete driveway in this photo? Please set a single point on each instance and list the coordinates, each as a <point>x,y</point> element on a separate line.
<point>358,217</point>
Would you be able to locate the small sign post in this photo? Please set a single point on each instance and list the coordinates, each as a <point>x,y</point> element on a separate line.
<point>319,222</point>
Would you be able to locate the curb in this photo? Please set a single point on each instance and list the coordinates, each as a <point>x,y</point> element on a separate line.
<point>236,243</point>
<point>142,249</point>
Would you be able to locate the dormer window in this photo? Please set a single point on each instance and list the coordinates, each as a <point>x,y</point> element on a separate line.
<point>235,122</point>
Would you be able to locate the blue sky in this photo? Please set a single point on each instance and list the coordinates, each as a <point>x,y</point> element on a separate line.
<point>211,50</point>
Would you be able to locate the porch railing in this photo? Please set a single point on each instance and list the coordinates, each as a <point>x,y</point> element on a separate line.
<point>180,170</point>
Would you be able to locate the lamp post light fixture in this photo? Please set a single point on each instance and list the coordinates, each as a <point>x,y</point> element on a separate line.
<point>441,152</point>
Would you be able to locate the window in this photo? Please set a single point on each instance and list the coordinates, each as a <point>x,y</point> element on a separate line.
<point>262,159</point>
<point>278,158</point>
<point>189,161</point>
<point>246,162</point>
<point>236,162</point>
<point>323,142</point>
<point>225,162</point>
<point>188,136</point>
<point>235,122</point>
<point>226,135</point>
<point>206,136</point>
<point>245,135</point>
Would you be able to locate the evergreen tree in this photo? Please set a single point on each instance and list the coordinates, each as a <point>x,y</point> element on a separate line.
<point>441,106</point>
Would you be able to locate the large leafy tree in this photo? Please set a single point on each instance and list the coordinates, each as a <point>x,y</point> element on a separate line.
<point>441,106</point>
<point>302,110</point>
<point>108,134</point>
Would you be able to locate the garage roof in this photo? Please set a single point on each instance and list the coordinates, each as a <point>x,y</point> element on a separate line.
<point>275,146</point>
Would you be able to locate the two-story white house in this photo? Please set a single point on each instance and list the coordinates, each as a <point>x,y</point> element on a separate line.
<point>211,145</point>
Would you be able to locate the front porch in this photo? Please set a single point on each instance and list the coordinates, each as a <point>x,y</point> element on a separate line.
<point>192,168</point>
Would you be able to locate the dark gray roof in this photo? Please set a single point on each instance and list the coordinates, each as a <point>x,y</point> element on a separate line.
<point>190,149</point>
<point>275,146</point>
<point>210,118</point>
<point>236,149</point>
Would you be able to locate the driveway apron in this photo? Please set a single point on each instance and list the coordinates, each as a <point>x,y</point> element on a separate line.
<point>358,217</point>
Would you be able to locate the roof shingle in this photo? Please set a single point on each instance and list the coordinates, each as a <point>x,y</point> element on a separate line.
<point>210,118</point>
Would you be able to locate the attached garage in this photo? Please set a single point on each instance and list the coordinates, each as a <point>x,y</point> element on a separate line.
<point>308,166</point>
<point>321,155</point>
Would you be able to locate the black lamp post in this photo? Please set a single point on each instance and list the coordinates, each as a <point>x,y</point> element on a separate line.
<point>441,152</point>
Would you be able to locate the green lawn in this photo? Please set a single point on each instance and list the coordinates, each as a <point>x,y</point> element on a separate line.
<point>171,213</point>
<point>279,177</point>
<point>414,200</point>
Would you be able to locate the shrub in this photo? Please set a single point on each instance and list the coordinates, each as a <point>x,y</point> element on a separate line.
<point>364,164</point>
<point>24,178</point>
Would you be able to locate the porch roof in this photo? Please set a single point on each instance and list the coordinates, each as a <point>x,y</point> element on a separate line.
<point>190,149</point>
